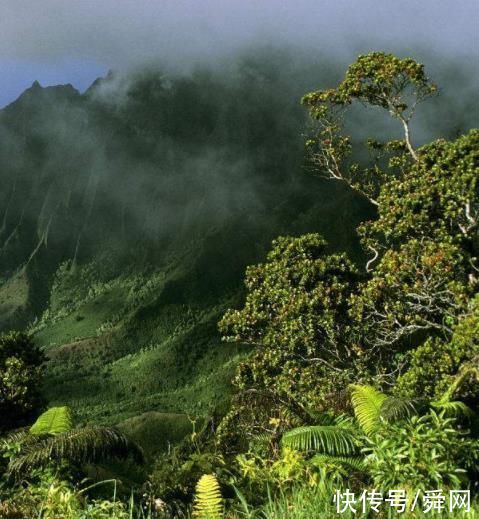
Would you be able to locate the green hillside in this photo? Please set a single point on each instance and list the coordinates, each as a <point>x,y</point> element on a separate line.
<point>129,220</point>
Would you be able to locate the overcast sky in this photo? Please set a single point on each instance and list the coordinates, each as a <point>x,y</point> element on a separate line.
<point>75,41</point>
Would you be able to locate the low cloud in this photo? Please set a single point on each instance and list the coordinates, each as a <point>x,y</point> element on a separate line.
<point>121,33</point>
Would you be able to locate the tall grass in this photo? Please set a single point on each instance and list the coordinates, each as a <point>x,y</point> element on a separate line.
<point>309,503</point>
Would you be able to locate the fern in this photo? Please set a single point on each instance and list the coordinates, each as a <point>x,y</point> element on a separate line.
<point>79,446</point>
<point>336,440</point>
<point>208,501</point>
<point>54,421</point>
<point>367,403</point>
<point>454,409</point>
<point>354,463</point>
<point>397,408</point>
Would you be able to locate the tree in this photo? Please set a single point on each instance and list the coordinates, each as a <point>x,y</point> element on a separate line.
<point>426,248</point>
<point>316,321</point>
<point>378,80</point>
<point>20,380</point>
<point>296,315</point>
<point>424,243</point>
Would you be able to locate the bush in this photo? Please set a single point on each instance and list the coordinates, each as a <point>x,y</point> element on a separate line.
<point>423,453</point>
<point>20,379</point>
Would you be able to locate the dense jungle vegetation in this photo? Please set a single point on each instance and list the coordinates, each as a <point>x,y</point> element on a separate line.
<point>193,325</point>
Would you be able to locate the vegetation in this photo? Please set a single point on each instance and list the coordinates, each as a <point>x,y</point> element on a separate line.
<point>21,366</point>
<point>354,373</point>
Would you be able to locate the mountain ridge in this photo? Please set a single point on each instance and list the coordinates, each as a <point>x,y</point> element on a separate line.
<point>128,224</point>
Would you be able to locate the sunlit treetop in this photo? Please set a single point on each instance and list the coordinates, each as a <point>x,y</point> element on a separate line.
<point>376,79</point>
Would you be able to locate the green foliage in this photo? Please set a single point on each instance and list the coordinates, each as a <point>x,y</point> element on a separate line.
<point>53,421</point>
<point>303,502</point>
<point>337,445</point>
<point>20,379</point>
<point>435,363</point>
<point>367,403</point>
<point>348,464</point>
<point>435,198</point>
<point>398,307</point>
<point>408,317</point>
<point>174,476</point>
<point>313,320</point>
<point>395,408</point>
<point>49,496</point>
<point>52,440</point>
<point>424,452</point>
<point>208,501</point>
<point>328,439</point>
<point>410,451</point>
<point>260,475</point>
<point>296,314</point>
<point>90,444</point>
<point>378,79</point>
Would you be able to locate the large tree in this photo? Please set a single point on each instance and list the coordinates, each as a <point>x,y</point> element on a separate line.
<point>317,321</point>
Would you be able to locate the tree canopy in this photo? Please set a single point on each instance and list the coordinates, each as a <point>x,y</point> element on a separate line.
<point>317,321</point>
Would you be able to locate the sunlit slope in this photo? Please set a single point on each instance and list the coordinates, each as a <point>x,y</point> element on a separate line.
<point>121,345</point>
<point>128,217</point>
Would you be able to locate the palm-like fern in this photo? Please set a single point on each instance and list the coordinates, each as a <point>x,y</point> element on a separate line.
<point>396,408</point>
<point>208,501</point>
<point>54,421</point>
<point>456,408</point>
<point>355,463</point>
<point>52,439</point>
<point>85,445</point>
<point>367,403</point>
<point>338,441</point>
<point>453,409</point>
<point>335,440</point>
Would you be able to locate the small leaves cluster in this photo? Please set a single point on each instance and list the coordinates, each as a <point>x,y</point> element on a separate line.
<point>435,363</point>
<point>297,299</point>
<point>21,370</point>
<point>378,79</point>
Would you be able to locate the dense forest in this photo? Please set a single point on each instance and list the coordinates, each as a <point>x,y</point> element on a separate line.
<point>218,301</point>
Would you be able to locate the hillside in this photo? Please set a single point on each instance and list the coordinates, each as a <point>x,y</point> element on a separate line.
<point>128,216</point>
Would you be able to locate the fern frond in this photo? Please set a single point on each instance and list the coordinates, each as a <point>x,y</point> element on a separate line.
<point>335,440</point>
<point>208,501</point>
<point>396,408</point>
<point>54,421</point>
<point>355,463</point>
<point>367,402</point>
<point>18,436</point>
<point>85,445</point>
<point>454,409</point>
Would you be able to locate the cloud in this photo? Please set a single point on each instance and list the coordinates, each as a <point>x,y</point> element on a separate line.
<point>75,41</point>
<point>124,32</point>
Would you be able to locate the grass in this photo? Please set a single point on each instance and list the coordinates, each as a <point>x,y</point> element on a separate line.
<point>157,431</point>
<point>127,340</point>
<point>304,502</point>
<point>130,352</point>
<point>85,320</point>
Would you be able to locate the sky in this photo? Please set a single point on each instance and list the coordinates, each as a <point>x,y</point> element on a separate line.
<point>76,41</point>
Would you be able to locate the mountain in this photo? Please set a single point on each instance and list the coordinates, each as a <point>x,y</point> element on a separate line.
<point>128,215</point>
